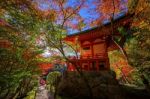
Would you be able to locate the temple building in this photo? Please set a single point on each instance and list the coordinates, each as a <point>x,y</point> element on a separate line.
<point>95,43</point>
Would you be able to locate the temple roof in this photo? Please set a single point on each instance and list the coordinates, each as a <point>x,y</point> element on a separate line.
<point>97,27</point>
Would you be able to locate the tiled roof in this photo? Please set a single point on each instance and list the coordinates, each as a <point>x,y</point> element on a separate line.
<point>105,24</point>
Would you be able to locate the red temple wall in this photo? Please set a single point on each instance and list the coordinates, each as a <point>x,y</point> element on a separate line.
<point>99,49</point>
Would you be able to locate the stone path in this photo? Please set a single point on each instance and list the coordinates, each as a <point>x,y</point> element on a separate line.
<point>42,93</point>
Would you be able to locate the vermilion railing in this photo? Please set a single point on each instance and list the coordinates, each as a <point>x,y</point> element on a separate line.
<point>87,62</point>
<point>89,56</point>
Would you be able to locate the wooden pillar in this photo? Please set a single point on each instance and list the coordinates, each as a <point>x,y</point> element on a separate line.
<point>89,66</point>
<point>80,65</point>
<point>97,66</point>
<point>92,50</point>
<point>80,49</point>
<point>106,52</point>
<point>107,63</point>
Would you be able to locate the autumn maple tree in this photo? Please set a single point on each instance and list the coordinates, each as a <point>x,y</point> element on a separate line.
<point>138,47</point>
<point>18,66</point>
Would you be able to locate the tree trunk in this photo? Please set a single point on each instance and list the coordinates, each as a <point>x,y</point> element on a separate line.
<point>121,49</point>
